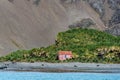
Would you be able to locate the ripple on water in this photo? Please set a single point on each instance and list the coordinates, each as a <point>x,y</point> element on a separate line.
<point>58,76</point>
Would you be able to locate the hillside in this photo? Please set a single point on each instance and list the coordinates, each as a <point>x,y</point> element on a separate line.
<point>26,24</point>
<point>87,45</point>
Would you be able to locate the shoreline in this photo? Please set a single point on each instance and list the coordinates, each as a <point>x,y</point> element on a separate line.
<point>60,67</point>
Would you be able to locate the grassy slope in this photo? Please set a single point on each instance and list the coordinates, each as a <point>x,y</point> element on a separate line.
<point>85,44</point>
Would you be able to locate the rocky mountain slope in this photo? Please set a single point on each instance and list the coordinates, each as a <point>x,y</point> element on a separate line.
<point>109,11</point>
<point>25,24</point>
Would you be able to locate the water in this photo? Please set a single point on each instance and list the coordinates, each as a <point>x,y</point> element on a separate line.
<point>58,76</point>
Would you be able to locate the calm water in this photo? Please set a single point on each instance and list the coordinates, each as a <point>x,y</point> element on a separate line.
<point>57,76</point>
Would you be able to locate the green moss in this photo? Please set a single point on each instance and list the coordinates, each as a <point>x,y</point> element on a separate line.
<point>85,43</point>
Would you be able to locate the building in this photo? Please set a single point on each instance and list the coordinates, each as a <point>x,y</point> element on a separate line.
<point>63,55</point>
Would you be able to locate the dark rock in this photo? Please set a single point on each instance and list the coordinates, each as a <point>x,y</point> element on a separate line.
<point>42,65</point>
<point>3,67</point>
<point>98,6</point>
<point>100,55</point>
<point>85,23</point>
<point>11,1</point>
<point>98,65</point>
<point>114,4</point>
<point>75,66</point>
<point>115,18</point>
<point>114,30</point>
<point>37,2</point>
<point>69,1</point>
<point>118,54</point>
<point>112,21</point>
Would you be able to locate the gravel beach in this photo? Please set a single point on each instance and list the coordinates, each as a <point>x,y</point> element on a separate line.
<point>60,67</point>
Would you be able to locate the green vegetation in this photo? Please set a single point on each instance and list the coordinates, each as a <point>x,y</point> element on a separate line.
<point>87,45</point>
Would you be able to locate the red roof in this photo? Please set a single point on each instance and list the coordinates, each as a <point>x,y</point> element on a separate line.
<point>65,52</point>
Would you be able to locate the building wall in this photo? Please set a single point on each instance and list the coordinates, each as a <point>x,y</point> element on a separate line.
<point>64,57</point>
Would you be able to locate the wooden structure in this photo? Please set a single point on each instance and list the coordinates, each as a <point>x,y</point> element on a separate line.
<point>63,55</point>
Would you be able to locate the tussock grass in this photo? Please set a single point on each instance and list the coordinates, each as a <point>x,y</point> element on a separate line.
<point>87,44</point>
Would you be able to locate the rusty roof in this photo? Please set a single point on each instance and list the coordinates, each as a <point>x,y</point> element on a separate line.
<point>65,52</point>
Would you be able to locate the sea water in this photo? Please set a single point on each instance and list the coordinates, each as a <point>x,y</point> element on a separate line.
<point>58,76</point>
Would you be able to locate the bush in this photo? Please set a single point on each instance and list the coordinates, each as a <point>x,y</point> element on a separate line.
<point>86,44</point>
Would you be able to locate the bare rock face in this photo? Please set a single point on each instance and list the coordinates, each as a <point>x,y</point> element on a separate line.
<point>26,24</point>
<point>114,4</point>
<point>109,12</point>
<point>114,23</point>
<point>98,6</point>
<point>115,18</point>
<point>70,1</point>
<point>84,23</point>
<point>114,30</point>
